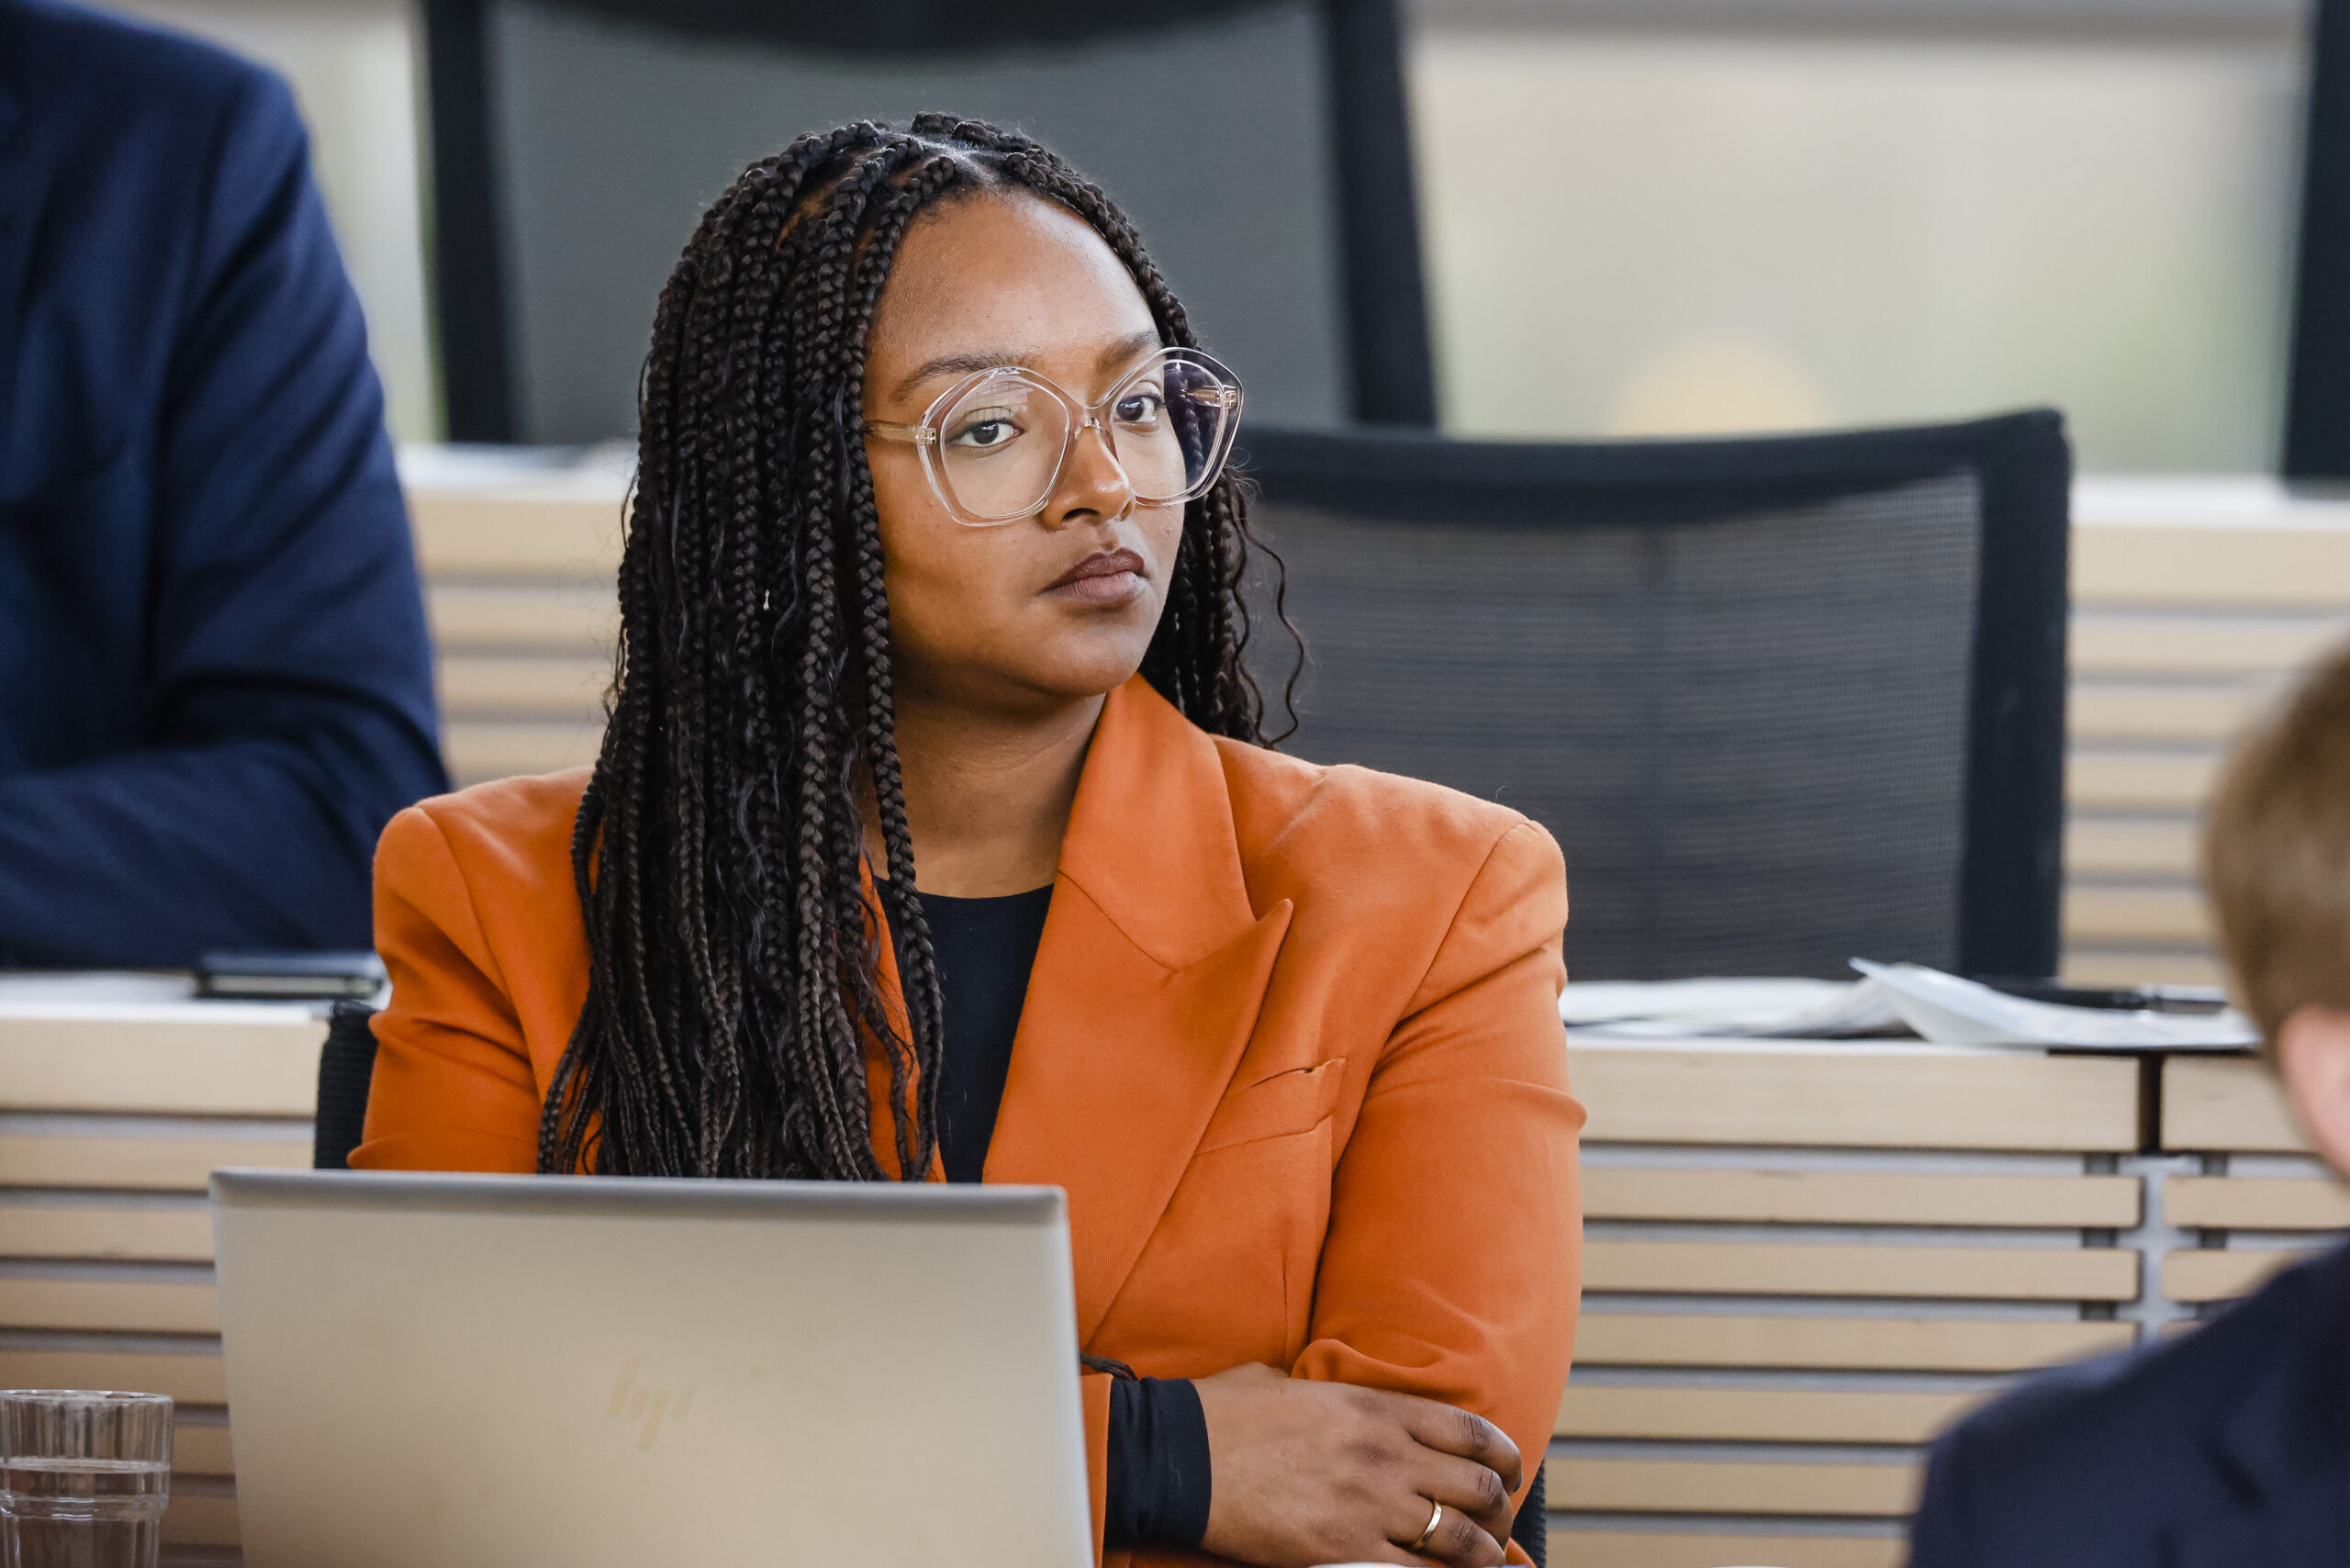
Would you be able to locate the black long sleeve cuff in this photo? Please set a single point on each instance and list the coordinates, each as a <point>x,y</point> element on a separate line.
<point>1159,1464</point>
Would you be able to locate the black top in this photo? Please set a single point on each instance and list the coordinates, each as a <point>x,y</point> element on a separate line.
<point>1159,1437</point>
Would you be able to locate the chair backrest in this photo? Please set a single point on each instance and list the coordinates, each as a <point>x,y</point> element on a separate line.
<point>346,1072</point>
<point>1783,701</point>
<point>1260,147</point>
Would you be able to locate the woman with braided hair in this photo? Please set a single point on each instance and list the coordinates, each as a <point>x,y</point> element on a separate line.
<point>935,837</point>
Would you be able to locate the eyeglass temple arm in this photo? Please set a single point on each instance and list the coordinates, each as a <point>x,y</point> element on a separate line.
<point>915,433</point>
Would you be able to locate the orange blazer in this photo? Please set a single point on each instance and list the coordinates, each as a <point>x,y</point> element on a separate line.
<point>1292,1046</point>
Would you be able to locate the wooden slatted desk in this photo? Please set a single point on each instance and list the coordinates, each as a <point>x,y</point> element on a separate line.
<point>1802,1261</point>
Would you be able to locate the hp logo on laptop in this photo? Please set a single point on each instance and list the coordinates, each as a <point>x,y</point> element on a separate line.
<point>631,1401</point>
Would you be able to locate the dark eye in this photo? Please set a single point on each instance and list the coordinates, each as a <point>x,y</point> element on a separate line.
<point>984,435</point>
<point>1140,409</point>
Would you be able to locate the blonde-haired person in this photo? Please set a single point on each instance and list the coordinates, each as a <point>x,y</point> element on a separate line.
<point>2230,1445</point>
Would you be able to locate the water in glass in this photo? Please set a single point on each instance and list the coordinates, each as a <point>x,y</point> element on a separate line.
<point>82,1513</point>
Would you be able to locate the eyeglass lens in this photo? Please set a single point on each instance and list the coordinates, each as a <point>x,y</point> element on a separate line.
<point>1002,443</point>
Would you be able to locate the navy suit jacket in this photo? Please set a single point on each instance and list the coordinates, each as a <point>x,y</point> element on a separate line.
<point>215,683</point>
<point>2227,1448</point>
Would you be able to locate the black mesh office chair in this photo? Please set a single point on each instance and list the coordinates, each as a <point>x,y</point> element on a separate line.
<point>1260,145</point>
<point>1784,701</point>
<point>346,1072</point>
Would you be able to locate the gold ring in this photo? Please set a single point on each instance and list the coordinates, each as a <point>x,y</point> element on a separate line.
<point>1436,1518</point>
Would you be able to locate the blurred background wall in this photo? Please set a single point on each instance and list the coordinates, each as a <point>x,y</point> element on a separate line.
<point>1646,215</point>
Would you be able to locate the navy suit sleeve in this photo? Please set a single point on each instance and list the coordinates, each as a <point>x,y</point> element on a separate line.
<point>1939,1534</point>
<point>286,701</point>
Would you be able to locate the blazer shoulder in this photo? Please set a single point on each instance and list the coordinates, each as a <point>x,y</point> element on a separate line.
<point>62,49</point>
<point>509,840</point>
<point>1283,804</point>
<point>2112,1449</point>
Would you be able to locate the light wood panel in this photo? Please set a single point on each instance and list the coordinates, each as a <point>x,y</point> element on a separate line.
<point>522,683</point>
<point>1644,1548</point>
<point>2124,711</point>
<point>80,1230</point>
<point>478,749</point>
<point>193,1520</point>
<point>2112,914</point>
<point>2281,560</point>
<point>2119,965</point>
<point>2130,846</point>
<point>1980,1274</point>
<point>162,1165</point>
<point>1697,1486</point>
<point>201,1450</point>
<point>491,533</point>
<point>264,1066</point>
<point>1757,1415</point>
<point>2139,780</point>
<point>1858,1198</point>
<point>188,1378</point>
<point>2219,1275</point>
<point>1855,1096</point>
<point>2256,1204</point>
<point>582,617</point>
<point>1874,1344</point>
<point>2226,1102</point>
<point>124,1306</point>
<point>2108,642</point>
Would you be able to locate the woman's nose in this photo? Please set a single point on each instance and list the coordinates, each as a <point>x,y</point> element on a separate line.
<point>1093,483</point>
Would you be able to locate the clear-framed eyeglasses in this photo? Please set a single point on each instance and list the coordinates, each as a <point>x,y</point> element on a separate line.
<point>993,445</point>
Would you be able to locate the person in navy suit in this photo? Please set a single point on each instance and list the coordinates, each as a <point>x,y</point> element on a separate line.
<point>2227,1447</point>
<point>215,681</point>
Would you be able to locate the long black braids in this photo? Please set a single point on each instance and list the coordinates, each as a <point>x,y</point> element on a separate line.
<point>718,847</point>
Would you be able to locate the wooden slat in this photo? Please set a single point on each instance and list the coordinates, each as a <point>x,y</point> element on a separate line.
<point>493,534</point>
<point>2140,781</point>
<point>2226,1102</point>
<point>126,1306</point>
<point>2125,712</point>
<point>2095,914</point>
<point>2277,560</point>
<point>220,1068</point>
<point>1758,1414</point>
<point>1855,1097</point>
<point>1858,1198</point>
<point>2218,1275</point>
<point>160,1165</point>
<point>200,1521</point>
<point>478,749</point>
<point>2281,1202</point>
<point>2137,966</point>
<point>580,617</point>
<point>2130,846</point>
<point>189,1379</point>
<point>81,1231</point>
<point>2109,642</point>
<point>1693,1487</point>
<point>201,1450</point>
<point>559,686</point>
<point>1871,1344</point>
<point>1978,1274</point>
<point>1661,1549</point>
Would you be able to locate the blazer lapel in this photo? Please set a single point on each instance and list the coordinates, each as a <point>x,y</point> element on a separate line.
<point>1146,989</point>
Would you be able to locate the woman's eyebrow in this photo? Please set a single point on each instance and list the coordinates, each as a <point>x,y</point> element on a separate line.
<point>972,363</point>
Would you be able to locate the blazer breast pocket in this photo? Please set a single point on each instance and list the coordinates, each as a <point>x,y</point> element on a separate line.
<point>1287,1102</point>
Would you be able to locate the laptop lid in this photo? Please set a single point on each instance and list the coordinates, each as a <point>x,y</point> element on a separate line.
<point>602,1373</point>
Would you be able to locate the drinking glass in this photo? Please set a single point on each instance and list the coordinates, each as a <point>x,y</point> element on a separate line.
<point>84,1478</point>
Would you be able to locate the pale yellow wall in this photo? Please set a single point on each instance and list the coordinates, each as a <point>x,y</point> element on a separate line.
<point>1686,230</point>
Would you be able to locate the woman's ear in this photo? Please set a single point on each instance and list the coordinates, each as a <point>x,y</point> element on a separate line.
<point>2314,1058</point>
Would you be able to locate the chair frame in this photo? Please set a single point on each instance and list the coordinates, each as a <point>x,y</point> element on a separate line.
<point>1389,374</point>
<point>2011,876</point>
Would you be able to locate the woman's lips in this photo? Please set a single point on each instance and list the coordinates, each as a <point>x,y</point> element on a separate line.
<point>1106,577</point>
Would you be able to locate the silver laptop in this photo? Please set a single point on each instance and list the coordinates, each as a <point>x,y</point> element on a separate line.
<point>588,1373</point>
